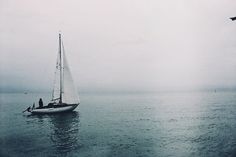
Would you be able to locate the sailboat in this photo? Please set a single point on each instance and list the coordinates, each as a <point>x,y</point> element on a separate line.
<point>64,94</point>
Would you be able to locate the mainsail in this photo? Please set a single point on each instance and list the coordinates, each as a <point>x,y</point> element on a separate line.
<point>64,88</point>
<point>69,94</point>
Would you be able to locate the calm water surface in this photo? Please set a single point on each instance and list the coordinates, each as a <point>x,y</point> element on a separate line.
<point>201,124</point>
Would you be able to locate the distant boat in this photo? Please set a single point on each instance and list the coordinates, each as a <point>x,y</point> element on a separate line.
<point>233,18</point>
<point>64,95</point>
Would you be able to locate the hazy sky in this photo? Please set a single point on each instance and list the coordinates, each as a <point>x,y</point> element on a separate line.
<point>119,44</point>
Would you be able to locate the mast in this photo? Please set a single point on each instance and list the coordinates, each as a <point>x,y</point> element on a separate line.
<point>60,101</point>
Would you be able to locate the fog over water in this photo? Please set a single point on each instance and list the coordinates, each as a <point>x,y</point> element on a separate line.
<point>125,45</point>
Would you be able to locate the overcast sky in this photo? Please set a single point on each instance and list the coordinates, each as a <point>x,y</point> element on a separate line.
<point>119,44</point>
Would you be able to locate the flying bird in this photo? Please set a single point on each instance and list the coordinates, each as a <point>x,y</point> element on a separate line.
<point>233,18</point>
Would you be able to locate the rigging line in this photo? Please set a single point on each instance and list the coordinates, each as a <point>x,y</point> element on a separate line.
<point>63,68</point>
<point>60,68</point>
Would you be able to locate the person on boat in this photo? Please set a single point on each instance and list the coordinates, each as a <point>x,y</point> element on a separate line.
<point>40,103</point>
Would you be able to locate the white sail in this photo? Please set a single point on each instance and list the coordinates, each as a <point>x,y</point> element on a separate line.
<point>69,94</point>
<point>56,84</point>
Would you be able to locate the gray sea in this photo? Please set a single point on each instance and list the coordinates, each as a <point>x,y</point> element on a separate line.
<point>162,124</point>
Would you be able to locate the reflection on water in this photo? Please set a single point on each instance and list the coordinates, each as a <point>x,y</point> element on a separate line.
<point>200,124</point>
<point>61,131</point>
<point>65,131</point>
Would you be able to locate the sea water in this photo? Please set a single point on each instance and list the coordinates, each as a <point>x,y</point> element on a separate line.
<point>162,124</point>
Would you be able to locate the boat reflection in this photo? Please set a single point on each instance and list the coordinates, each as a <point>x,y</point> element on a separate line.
<point>65,131</point>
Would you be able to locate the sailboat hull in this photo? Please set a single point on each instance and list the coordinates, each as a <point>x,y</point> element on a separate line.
<point>58,109</point>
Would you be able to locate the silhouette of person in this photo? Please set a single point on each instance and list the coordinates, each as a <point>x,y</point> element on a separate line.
<point>40,103</point>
